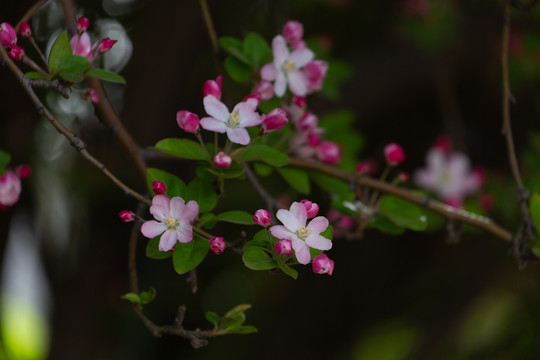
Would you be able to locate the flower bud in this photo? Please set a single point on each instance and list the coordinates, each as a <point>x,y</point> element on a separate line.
<point>90,95</point>
<point>262,217</point>
<point>158,187</point>
<point>255,97</point>
<point>311,208</point>
<point>300,44</point>
<point>323,265</point>
<point>105,45</point>
<point>10,188</point>
<point>443,144</point>
<point>308,121</point>
<point>300,101</point>
<point>212,87</point>
<point>293,31</point>
<point>222,160</point>
<point>24,30</point>
<point>283,247</point>
<point>329,152</point>
<point>188,121</point>
<point>15,52</point>
<point>23,171</point>
<point>403,176</point>
<point>264,89</point>
<point>274,121</point>
<point>127,216</point>
<point>8,36</point>
<point>82,24</point>
<point>394,154</point>
<point>217,245</point>
<point>315,73</point>
<point>314,140</point>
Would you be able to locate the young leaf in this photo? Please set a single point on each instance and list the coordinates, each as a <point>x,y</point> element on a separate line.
<point>182,148</point>
<point>267,154</point>
<point>35,75</point>
<point>5,158</point>
<point>71,78</point>
<point>287,269</point>
<point>152,249</point>
<point>147,296</point>
<point>132,297</point>
<point>403,213</point>
<point>206,218</point>
<point>297,178</point>
<point>256,49</point>
<point>106,76</point>
<point>237,311</point>
<point>234,47</point>
<point>212,317</point>
<point>256,258</point>
<point>237,70</point>
<point>203,193</point>
<point>187,256</point>
<point>248,329</point>
<point>59,50</point>
<point>73,64</point>
<point>175,186</point>
<point>236,217</point>
<point>205,174</point>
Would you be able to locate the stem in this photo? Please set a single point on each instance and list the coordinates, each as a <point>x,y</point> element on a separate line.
<point>199,137</point>
<point>38,50</point>
<point>271,204</point>
<point>210,26</point>
<point>25,59</point>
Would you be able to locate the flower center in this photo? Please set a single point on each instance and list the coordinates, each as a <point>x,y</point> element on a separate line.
<point>234,118</point>
<point>302,233</point>
<point>288,67</point>
<point>171,223</point>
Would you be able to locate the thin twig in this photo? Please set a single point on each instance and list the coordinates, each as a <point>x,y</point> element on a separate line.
<point>210,25</point>
<point>25,59</point>
<point>26,17</point>
<point>271,204</point>
<point>38,50</point>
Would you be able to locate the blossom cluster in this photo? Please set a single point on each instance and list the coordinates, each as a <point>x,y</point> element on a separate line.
<point>11,187</point>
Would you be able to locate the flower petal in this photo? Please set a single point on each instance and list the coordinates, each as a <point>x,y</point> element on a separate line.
<point>211,124</point>
<point>318,242</point>
<point>318,225</point>
<point>289,220</point>
<point>298,83</point>
<point>190,211</point>
<point>299,212</point>
<point>176,207</point>
<point>301,250</point>
<point>248,116</point>
<point>281,232</point>
<point>167,241</point>
<point>280,85</point>
<point>269,72</point>
<point>152,228</point>
<point>184,233</point>
<point>215,108</point>
<point>280,51</point>
<point>160,207</point>
<point>301,57</point>
<point>238,136</point>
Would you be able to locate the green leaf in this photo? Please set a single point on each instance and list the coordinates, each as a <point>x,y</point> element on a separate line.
<point>234,171</point>
<point>59,50</point>
<point>132,297</point>
<point>147,296</point>
<point>203,193</point>
<point>71,78</point>
<point>264,153</point>
<point>262,243</point>
<point>206,218</point>
<point>248,329</point>
<point>73,64</point>
<point>262,169</point>
<point>234,47</point>
<point>35,75</point>
<point>236,217</point>
<point>182,148</point>
<point>152,249</point>
<point>212,317</point>
<point>256,49</point>
<point>175,186</point>
<point>328,233</point>
<point>286,268</point>
<point>205,174</point>
<point>256,258</point>
<point>385,225</point>
<point>332,185</point>
<point>534,208</point>
<point>5,158</point>
<point>237,311</point>
<point>403,213</point>
<point>237,70</point>
<point>297,178</point>
<point>187,256</point>
<point>106,76</point>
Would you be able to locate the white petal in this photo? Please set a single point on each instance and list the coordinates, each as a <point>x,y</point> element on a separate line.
<point>299,212</point>
<point>215,108</point>
<point>301,57</point>
<point>152,228</point>
<point>211,124</point>
<point>184,233</point>
<point>269,72</point>
<point>280,51</point>
<point>301,250</point>
<point>167,241</point>
<point>289,220</point>
<point>280,85</point>
<point>160,207</point>
<point>318,225</point>
<point>281,232</point>
<point>238,136</point>
<point>298,83</point>
<point>177,204</point>
<point>190,211</point>
<point>318,242</point>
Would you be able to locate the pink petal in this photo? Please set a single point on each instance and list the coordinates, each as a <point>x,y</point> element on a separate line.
<point>281,232</point>
<point>280,51</point>
<point>424,178</point>
<point>160,207</point>
<point>184,233</point>
<point>318,242</point>
<point>299,212</point>
<point>85,45</point>
<point>215,108</point>
<point>176,207</point>
<point>248,116</point>
<point>289,220</point>
<point>269,72</point>
<point>298,83</point>
<point>152,228</point>
<point>301,57</point>
<point>280,85</point>
<point>301,250</point>
<point>167,241</point>
<point>190,211</point>
<point>211,124</point>
<point>318,225</point>
<point>238,136</point>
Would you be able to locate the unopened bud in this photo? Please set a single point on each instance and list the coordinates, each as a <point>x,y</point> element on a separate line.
<point>311,208</point>
<point>274,121</point>
<point>127,216</point>
<point>24,30</point>
<point>188,121</point>
<point>394,154</point>
<point>15,52</point>
<point>222,160</point>
<point>283,247</point>
<point>262,217</point>
<point>212,87</point>
<point>105,45</point>
<point>159,187</point>
<point>217,245</point>
<point>82,24</point>
<point>323,265</point>
<point>23,171</point>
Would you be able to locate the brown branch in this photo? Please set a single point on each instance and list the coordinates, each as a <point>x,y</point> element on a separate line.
<point>210,26</point>
<point>271,204</point>
<point>54,85</point>
<point>433,205</point>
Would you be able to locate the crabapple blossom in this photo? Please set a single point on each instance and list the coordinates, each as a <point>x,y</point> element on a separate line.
<point>24,30</point>
<point>293,31</point>
<point>308,121</point>
<point>323,265</point>
<point>217,245</point>
<point>275,120</point>
<point>105,45</point>
<point>82,24</point>
<point>264,89</point>
<point>233,123</point>
<point>303,237</point>
<point>394,154</point>
<point>173,223</point>
<point>222,160</point>
<point>10,188</point>
<point>283,247</point>
<point>311,208</point>
<point>262,217</point>
<point>127,216</point>
<point>82,46</point>
<point>212,87</point>
<point>8,36</point>
<point>253,96</point>
<point>15,52</point>
<point>159,187</point>
<point>340,221</point>
<point>23,171</point>
<point>329,152</point>
<point>315,72</point>
<point>188,121</point>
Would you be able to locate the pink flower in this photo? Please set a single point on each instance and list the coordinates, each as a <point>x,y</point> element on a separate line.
<point>329,152</point>
<point>23,171</point>
<point>188,121</point>
<point>159,187</point>
<point>308,121</point>
<point>222,160</point>
<point>127,216</point>
<point>8,36</point>
<point>264,89</point>
<point>262,217</point>
<point>303,237</point>
<point>105,45</point>
<point>311,208</point>
<point>293,31</point>
<point>82,24</point>
<point>174,219</point>
<point>90,95</point>
<point>10,188</point>
<point>82,45</point>
<point>212,87</point>
<point>217,245</point>
<point>283,247</point>
<point>394,154</point>
<point>15,52</point>
<point>275,120</point>
<point>24,30</point>
<point>315,72</point>
<point>234,123</point>
<point>286,68</point>
<point>323,265</point>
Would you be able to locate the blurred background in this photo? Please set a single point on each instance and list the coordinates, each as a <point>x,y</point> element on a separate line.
<point>404,70</point>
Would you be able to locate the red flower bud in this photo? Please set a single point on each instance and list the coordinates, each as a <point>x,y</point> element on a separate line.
<point>127,216</point>
<point>24,30</point>
<point>23,171</point>
<point>394,154</point>
<point>82,24</point>
<point>159,187</point>
<point>217,245</point>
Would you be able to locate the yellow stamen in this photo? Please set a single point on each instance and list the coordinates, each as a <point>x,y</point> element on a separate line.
<point>288,66</point>
<point>303,233</point>
<point>171,223</point>
<point>233,119</point>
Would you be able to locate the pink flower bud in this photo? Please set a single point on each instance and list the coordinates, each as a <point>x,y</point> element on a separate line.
<point>212,87</point>
<point>444,144</point>
<point>394,154</point>
<point>293,31</point>
<point>315,72</point>
<point>90,95</point>
<point>10,188</point>
<point>300,44</point>
<point>283,247</point>
<point>363,168</point>
<point>300,101</point>
<point>308,121</point>
<point>222,160</point>
<point>23,171</point>
<point>264,89</point>
<point>15,52</point>
<point>24,30</point>
<point>188,121</point>
<point>329,152</point>
<point>323,265</point>
<point>105,45</point>
<point>8,36</point>
<point>454,201</point>
<point>480,175</point>
<point>311,208</point>
<point>314,140</point>
<point>82,24</point>
<point>262,217</point>
<point>127,216</point>
<point>403,176</point>
<point>217,245</point>
<point>158,187</point>
<point>274,121</point>
<point>253,96</point>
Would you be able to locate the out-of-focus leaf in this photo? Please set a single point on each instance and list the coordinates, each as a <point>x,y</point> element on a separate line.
<point>264,153</point>
<point>403,213</point>
<point>256,49</point>
<point>106,76</point>
<point>297,178</point>
<point>237,70</point>
<point>73,64</point>
<point>236,217</point>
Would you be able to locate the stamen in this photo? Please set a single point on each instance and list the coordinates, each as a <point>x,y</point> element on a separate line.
<point>234,118</point>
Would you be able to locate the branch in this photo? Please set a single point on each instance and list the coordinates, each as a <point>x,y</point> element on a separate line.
<point>26,17</point>
<point>210,26</point>
<point>271,204</point>
<point>54,85</point>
